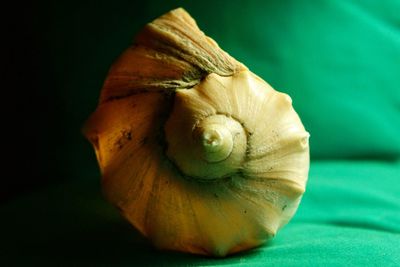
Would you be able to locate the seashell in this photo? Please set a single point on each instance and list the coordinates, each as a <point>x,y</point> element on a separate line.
<point>195,150</point>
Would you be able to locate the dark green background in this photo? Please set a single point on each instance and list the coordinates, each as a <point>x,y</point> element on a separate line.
<point>339,60</point>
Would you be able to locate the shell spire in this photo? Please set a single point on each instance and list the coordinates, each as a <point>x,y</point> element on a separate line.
<point>197,152</point>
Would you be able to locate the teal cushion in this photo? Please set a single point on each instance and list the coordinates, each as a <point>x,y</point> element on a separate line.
<point>339,62</point>
<point>349,216</point>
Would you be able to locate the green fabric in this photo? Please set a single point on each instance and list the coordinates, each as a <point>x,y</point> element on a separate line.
<point>350,216</point>
<point>339,60</point>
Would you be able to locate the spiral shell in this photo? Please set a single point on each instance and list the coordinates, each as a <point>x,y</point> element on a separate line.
<point>196,151</point>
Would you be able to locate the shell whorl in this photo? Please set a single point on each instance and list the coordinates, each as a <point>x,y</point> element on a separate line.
<point>214,140</point>
<point>198,153</point>
<point>211,148</point>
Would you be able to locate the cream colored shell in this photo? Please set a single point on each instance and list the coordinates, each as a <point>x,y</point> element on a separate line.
<point>196,151</point>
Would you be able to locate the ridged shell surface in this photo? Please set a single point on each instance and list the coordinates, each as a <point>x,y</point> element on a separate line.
<point>197,152</point>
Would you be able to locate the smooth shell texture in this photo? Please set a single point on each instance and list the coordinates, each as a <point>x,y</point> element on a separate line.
<point>197,152</point>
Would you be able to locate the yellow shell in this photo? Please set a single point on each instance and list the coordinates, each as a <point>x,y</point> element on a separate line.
<point>196,151</point>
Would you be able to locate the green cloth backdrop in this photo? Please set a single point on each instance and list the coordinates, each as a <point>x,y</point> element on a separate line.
<point>339,61</point>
